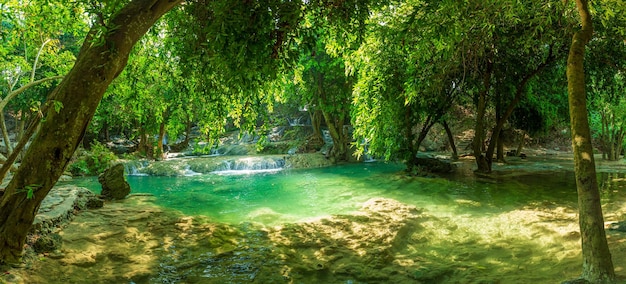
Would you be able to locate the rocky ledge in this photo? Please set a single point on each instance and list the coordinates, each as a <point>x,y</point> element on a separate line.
<point>60,206</point>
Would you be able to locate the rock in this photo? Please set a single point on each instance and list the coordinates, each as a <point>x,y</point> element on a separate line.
<point>114,185</point>
<point>47,243</point>
<point>94,203</point>
<point>435,165</point>
<point>65,177</point>
<point>59,207</point>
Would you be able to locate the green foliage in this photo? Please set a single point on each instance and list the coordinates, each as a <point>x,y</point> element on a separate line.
<point>29,190</point>
<point>94,161</point>
<point>201,148</point>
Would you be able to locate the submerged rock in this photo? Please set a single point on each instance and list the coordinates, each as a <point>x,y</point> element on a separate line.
<point>359,247</point>
<point>114,185</point>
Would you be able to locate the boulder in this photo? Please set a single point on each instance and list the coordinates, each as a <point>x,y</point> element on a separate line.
<point>114,185</point>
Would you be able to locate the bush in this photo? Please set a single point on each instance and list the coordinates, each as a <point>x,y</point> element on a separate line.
<point>94,161</point>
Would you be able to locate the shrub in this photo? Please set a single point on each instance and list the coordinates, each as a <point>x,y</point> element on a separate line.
<point>94,161</point>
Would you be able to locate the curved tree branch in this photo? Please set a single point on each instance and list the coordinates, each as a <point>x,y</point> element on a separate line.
<point>11,95</point>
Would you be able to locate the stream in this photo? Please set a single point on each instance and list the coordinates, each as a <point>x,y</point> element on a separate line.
<point>356,223</point>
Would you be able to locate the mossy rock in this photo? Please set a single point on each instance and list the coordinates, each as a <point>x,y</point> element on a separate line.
<point>47,243</point>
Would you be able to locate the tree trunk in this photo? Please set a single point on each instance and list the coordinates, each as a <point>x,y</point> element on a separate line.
<point>519,92</point>
<point>5,133</point>
<point>21,125</point>
<point>340,143</point>
<point>160,151</point>
<point>316,123</point>
<point>455,154</point>
<point>597,263</point>
<point>500,148</point>
<point>520,146</point>
<point>482,162</point>
<point>145,145</point>
<point>61,132</point>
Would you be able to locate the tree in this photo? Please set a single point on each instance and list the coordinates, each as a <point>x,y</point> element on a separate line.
<point>102,57</point>
<point>606,66</point>
<point>597,263</point>
<point>33,51</point>
<point>403,88</point>
<point>322,84</point>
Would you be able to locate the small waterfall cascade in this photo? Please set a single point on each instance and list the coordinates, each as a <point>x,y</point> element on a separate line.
<point>133,168</point>
<point>296,121</point>
<point>367,157</point>
<point>251,165</point>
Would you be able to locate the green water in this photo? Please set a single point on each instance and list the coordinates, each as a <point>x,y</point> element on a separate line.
<point>516,226</point>
<point>297,195</point>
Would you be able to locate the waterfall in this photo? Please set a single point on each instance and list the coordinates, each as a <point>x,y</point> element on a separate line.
<point>251,165</point>
<point>133,168</point>
<point>186,171</point>
<point>295,121</point>
<point>367,158</point>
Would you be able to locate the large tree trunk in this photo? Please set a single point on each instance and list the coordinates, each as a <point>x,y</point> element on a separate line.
<point>597,263</point>
<point>340,138</point>
<point>61,132</point>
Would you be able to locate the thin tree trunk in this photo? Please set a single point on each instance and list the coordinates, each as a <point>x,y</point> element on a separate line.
<point>160,152</point>
<point>520,144</point>
<point>521,87</point>
<point>21,125</point>
<point>500,149</point>
<point>597,263</point>
<point>316,122</point>
<point>482,162</point>
<point>409,135</point>
<point>5,133</point>
<point>80,92</point>
<point>455,154</point>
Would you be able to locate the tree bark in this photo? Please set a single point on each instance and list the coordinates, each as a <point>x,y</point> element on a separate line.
<point>597,263</point>
<point>98,63</point>
<point>316,123</point>
<point>455,154</point>
<point>5,133</point>
<point>340,141</point>
<point>520,144</point>
<point>482,162</point>
<point>160,151</point>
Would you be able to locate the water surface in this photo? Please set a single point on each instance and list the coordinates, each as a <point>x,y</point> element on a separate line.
<point>516,226</point>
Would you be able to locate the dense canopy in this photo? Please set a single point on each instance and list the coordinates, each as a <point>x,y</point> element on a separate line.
<point>377,75</point>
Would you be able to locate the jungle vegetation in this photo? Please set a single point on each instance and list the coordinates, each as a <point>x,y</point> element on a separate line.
<point>378,74</point>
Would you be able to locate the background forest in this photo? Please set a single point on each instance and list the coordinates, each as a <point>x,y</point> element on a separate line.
<point>377,77</point>
<point>377,80</point>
